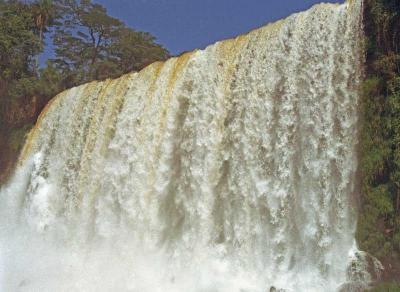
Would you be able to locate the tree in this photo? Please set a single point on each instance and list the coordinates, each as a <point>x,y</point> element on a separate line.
<point>89,44</point>
<point>44,13</point>
<point>94,45</point>
<point>378,230</point>
<point>134,50</point>
<point>18,47</point>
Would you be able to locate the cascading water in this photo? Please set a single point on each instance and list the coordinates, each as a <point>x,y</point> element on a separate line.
<point>228,169</point>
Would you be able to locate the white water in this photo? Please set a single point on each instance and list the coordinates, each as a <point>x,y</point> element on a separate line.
<point>230,169</point>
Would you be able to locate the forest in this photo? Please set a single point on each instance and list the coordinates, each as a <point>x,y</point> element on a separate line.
<point>378,230</point>
<point>88,45</point>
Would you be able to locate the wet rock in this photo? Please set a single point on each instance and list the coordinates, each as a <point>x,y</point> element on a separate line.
<point>364,268</point>
<point>353,287</point>
<point>274,289</point>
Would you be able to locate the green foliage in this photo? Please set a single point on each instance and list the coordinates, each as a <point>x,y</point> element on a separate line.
<point>18,46</point>
<point>89,44</point>
<point>50,82</point>
<point>93,45</point>
<point>44,14</point>
<point>17,137</point>
<point>387,287</point>
<point>137,47</point>
<point>378,229</point>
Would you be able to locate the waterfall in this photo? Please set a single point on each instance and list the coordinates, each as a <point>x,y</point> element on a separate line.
<point>229,169</point>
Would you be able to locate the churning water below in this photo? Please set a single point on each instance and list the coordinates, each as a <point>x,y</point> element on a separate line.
<point>230,169</point>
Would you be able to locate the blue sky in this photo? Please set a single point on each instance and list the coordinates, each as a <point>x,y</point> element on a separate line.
<point>183,25</point>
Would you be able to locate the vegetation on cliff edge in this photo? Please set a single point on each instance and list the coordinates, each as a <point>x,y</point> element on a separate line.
<point>378,229</point>
<point>88,45</point>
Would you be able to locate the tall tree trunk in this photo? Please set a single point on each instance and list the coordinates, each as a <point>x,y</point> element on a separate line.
<point>95,51</point>
<point>41,44</point>
<point>92,62</point>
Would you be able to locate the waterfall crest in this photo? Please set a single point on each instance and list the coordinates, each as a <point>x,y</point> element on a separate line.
<point>226,169</point>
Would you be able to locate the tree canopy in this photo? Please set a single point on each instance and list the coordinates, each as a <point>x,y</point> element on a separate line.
<point>88,44</point>
<point>378,229</point>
